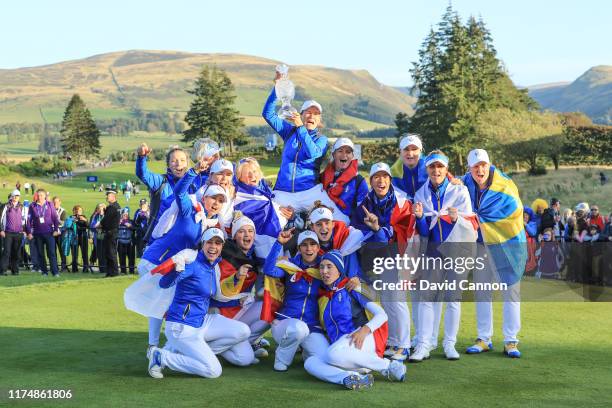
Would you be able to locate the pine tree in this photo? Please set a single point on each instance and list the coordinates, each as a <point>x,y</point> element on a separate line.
<point>402,123</point>
<point>457,78</point>
<point>212,113</point>
<point>80,136</point>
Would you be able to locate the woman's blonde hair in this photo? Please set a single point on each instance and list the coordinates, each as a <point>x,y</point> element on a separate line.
<point>248,161</point>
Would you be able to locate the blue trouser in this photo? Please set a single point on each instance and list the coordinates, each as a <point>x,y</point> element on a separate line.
<point>46,241</point>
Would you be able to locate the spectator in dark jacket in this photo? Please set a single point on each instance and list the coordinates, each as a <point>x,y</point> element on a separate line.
<point>125,241</point>
<point>110,225</point>
<point>82,240</point>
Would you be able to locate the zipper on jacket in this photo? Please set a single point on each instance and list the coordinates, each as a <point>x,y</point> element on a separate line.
<point>295,167</point>
<point>332,318</point>
<point>439,223</point>
<point>305,300</point>
<point>164,254</point>
<point>186,311</point>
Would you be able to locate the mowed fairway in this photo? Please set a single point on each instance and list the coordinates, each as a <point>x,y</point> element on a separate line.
<point>76,334</point>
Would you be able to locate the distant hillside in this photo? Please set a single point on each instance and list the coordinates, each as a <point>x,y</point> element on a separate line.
<point>112,84</point>
<point>591,94</point>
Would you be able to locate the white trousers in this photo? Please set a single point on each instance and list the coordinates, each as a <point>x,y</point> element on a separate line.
<point>343,359</point>
<point>304,201</point>
<point>433,342</point>
<point>511,312</point>
<point>192,350</point>
<point>155,324</point>
<point>289,334</point>
<point>399,319</point>
<point>251,317</point>
<point>428,326</point>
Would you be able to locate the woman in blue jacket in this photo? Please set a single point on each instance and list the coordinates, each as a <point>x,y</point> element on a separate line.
<point>297,184</point>
<point>177,163</point>
<point>357,342</point>
<point>296,323</point>
<point>194,216</point>
<point>194,336</point>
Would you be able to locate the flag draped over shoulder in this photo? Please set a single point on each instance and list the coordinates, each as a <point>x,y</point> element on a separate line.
<point>500,214</point>
<point>147,298</point>
<point>274,288</point>
<point>380,335</point>
<point>257,204</point>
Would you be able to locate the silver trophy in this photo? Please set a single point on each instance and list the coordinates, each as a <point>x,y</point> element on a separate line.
<point>285,91</point>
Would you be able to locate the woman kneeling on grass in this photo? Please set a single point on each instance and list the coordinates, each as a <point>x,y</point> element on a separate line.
<point>195,336</point>
<point>357,344</point>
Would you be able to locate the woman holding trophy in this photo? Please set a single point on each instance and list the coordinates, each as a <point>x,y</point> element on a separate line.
<point>297,184</point>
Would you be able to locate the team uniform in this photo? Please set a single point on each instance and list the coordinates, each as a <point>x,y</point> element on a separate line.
<point>247,311</point>
<point>177,229</point>
<point>342,313</point>
<point>297,183</point>
<point>345,188</point>
<point>407,179</point>
<point>501,235</point>
<point>394,212</point>
<point>290,304</point>
<point>436,227</point>
<point>195,336</point>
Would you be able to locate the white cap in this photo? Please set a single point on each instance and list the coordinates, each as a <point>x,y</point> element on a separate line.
<point>240,222</point>
<point>213,190</point>
<point>15,193</point>
<point>307,235</point>
<point>309,103</point>
<point>380,166</point>
<point>343,141</point>
<point>319,214</point>
<point>476,156</point>
<point>213,232</point>
<point>221,165</point>
<point>207,147</point>
<point>410,140</point>
<point>582,207</point>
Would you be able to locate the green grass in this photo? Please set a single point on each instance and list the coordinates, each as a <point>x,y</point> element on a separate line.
<point>77,335</point>
<point>570,185</point>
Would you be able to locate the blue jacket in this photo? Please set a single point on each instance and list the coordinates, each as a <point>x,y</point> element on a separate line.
<point>382,208</point>
<point>154,181</point>
<point>302,155</point>
<point>352,194</point>
<point>443,229</point>
<point>344,312</point>
<point>185,233</point>
<point>194,288</point>
<point>301,297</point>
<point>409,180</point>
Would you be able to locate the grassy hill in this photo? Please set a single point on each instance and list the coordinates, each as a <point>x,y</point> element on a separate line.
<point>591,94</point>
<point>111,84</point>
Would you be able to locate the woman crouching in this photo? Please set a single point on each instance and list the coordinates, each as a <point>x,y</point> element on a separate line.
<point>357,344</point>
<point>194,336</point>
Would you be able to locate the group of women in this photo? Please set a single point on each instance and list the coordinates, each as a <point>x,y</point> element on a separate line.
<point>229,258</point>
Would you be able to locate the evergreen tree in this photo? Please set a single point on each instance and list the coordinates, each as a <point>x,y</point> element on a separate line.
<point>402,123</point>
<point>457,78</point>
<point>80,136</point>
<point>212,113</point>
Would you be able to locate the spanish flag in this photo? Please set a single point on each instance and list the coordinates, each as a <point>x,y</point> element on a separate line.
<point>274,288</point>
<point>380,335</point>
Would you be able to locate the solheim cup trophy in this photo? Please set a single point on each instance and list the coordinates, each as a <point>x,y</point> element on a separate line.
<point>285,91</point>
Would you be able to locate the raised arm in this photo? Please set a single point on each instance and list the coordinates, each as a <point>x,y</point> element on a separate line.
<point>152,180</point>
<point>284,129</point>
<point>181,193</point>
<point>270,267</point>
<point>311,147</point>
